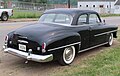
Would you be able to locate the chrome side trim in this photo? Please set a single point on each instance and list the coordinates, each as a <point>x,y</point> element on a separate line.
<point>64,46</point>
<point>92,47</point>
<point>30,56</point>
<point>105,33</point>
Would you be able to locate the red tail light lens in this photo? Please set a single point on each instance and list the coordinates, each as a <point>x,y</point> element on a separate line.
<point>43,45</point>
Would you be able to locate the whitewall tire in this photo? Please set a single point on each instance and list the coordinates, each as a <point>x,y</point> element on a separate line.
<point>68,56</point>
<point>110,40</point>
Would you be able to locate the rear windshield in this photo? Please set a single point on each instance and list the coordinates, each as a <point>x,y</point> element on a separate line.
<point>56,18</point>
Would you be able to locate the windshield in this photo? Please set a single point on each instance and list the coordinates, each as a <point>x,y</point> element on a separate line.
<point>56,18</point>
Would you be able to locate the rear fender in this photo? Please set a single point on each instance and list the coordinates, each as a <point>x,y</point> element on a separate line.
<point>57,44</point>
<point>115,34</point>
<point>63,40</point>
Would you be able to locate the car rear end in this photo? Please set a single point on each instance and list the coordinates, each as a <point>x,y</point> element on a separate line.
<point>23,47</point>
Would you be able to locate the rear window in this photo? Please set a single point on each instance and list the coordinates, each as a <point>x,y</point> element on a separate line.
<point>56,18</point>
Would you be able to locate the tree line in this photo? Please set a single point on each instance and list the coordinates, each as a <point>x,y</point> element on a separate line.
<point>73,2</point>
<point>34,1</point>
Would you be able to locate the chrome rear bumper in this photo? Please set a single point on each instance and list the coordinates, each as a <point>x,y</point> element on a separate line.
<point>33,57</point>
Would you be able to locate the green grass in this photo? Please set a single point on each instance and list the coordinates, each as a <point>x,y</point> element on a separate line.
<point>25,14</point>
<point>109,15</point>
<point>105,63</point>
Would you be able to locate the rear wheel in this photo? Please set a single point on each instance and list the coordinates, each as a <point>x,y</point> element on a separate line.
<point>4,17</point>
<point>110,40</point>
<point>67,56</point>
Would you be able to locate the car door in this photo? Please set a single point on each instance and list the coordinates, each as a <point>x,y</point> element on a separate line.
<point>96,30</point>
<point>83,30</point>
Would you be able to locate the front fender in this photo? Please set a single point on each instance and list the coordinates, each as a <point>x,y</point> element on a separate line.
<point>63,40</point>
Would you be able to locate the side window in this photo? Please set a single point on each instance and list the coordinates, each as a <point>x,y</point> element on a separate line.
<point>93,19</point>
<point>82,19</point>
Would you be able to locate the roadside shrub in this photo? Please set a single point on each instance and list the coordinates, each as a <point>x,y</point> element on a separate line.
<point>109,15</point>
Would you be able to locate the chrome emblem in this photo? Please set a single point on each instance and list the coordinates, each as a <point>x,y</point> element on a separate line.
<point>23,37</point>
<point>22,41</point>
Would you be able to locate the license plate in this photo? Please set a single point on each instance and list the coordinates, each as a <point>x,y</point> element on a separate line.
<point>22,47</point>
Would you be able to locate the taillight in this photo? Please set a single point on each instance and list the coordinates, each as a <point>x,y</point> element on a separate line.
<point>6,38</point>
<point>43,45</point>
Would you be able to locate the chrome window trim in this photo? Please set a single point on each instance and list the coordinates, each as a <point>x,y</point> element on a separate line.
<point>105,33</point>
<point>64,46</point>
<point>57,23</point>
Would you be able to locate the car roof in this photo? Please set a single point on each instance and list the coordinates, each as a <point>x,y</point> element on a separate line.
<point>69,11</point>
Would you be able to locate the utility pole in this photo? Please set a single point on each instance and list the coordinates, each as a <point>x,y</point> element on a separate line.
<point>68,3</point>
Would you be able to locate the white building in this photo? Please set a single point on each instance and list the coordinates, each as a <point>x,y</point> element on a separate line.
<point>101,6</point>
<point>117,7</point>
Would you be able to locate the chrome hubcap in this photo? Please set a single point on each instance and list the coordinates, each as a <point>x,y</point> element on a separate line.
<point>5,17</point>
<point>69,54</point>
<point>111,39</point>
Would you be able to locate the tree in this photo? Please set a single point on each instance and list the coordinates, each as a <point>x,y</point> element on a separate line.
<point>5,3</point>
<point>34,1</point>
<point>73,2</point>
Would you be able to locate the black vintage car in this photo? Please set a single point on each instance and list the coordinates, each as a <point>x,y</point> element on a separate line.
<point>59,35</point>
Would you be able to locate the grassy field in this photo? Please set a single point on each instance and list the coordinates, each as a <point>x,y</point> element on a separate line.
<point>36,14</point>
<point>25,14</point>
<point>109,15</point>
<point>105,63</point>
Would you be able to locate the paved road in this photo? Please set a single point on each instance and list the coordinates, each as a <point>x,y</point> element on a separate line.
<point>112,20</point>
<point>7,27</point>
<point>11,65</point>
